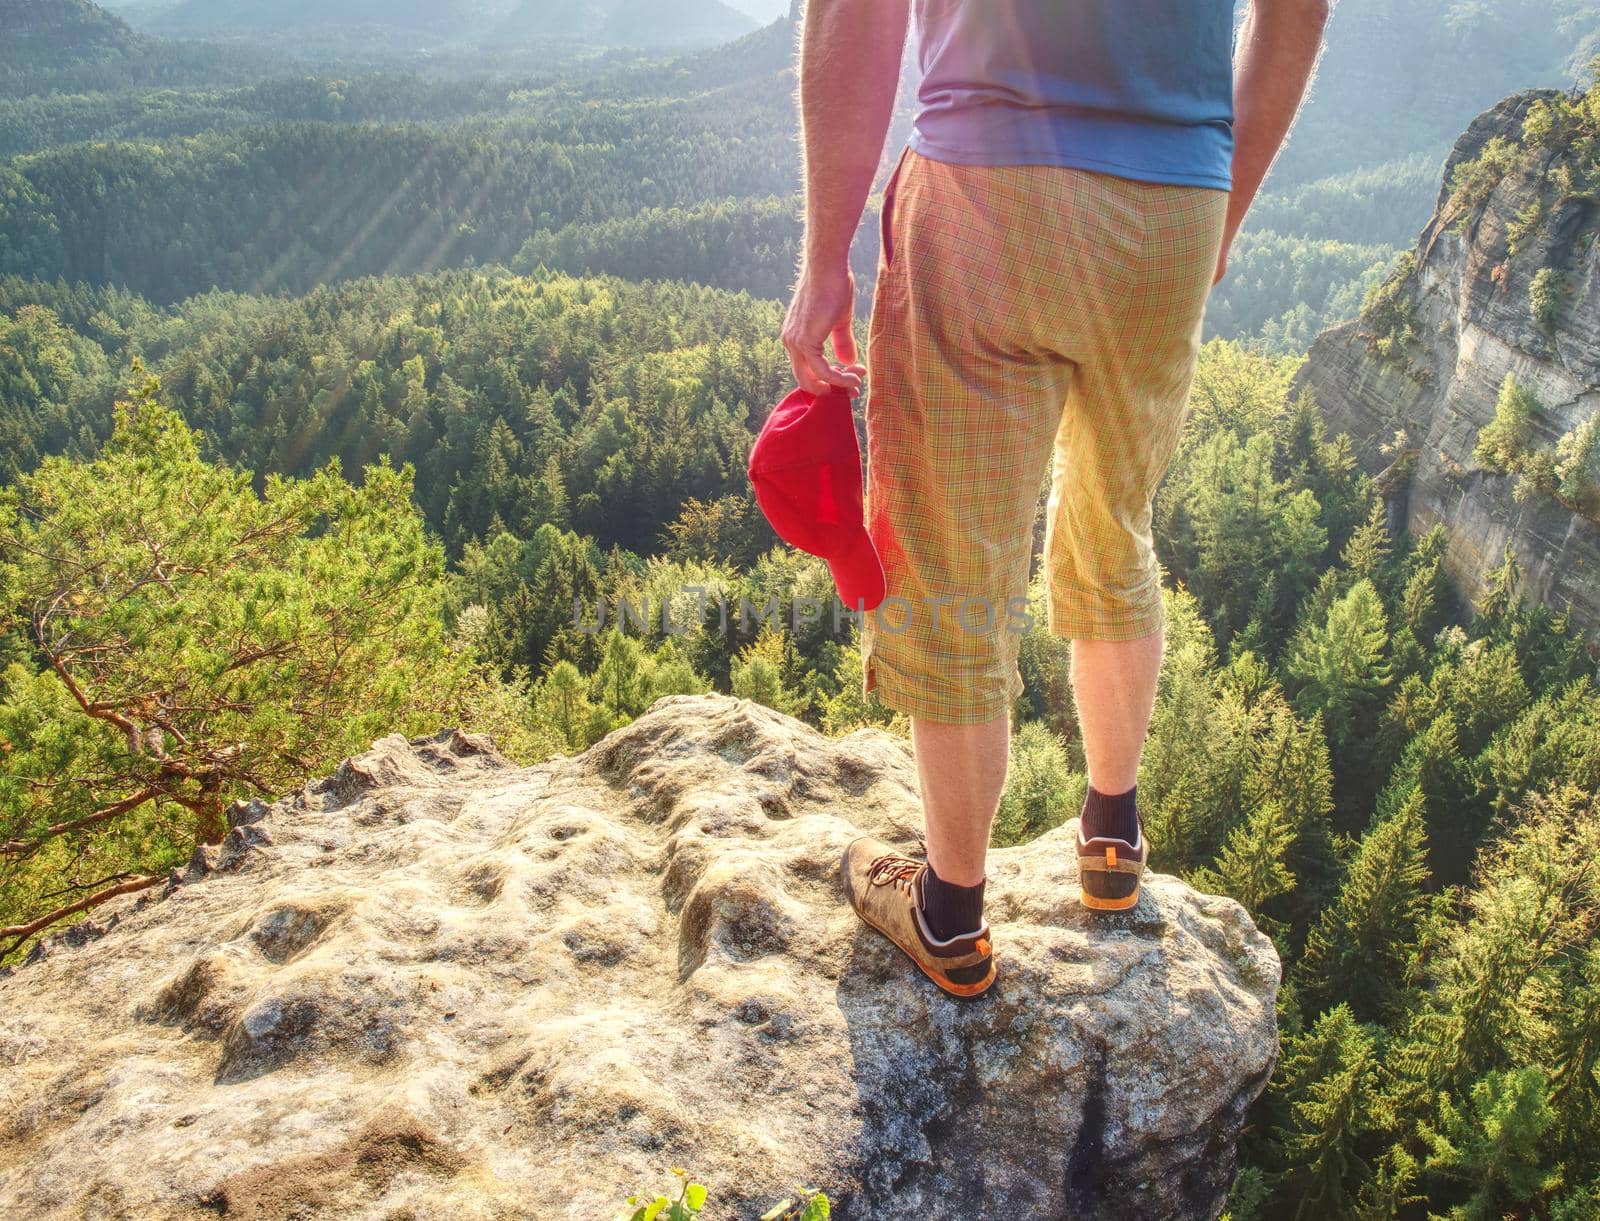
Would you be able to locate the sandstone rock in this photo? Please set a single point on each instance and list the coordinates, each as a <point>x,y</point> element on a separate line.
<point>1472,300</point>
<point>442,986</point>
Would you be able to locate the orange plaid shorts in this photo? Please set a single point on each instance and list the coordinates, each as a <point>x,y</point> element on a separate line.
<point>1025,317</point>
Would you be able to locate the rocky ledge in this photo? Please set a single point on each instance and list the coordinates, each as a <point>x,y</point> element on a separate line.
<point>437,985</point>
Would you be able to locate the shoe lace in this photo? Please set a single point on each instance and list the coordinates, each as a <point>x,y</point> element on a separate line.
<point>896,869</point>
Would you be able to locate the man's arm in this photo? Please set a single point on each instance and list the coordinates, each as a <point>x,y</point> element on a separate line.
<point>1278,47</point>
<point>849,71</point>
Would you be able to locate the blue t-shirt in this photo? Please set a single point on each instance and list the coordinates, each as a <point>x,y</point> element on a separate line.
<point>1138,88</point>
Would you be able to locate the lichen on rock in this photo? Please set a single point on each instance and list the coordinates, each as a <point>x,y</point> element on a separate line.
<point>439,985</point>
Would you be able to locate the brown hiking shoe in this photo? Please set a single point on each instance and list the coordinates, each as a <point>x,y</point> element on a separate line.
<point>1109,871</point>
<point>885,888</point>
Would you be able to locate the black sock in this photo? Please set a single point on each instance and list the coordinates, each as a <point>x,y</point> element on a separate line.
<point>951,910</point>
<point>1115,817</point>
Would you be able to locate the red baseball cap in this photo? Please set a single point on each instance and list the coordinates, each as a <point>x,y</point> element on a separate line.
<point>806,470</point>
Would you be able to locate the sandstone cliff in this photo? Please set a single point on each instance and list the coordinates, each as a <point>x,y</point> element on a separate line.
<point>1470,298</point>
<point>436,985</point>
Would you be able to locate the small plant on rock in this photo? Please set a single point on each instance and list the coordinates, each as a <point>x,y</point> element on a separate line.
<point>691,1199</point>
<point>811,1206</point>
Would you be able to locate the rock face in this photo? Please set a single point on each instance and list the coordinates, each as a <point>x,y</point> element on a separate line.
<point>1471,298</point>
<point>437,985</point>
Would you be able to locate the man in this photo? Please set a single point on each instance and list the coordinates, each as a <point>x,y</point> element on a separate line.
<point>1076,173</point>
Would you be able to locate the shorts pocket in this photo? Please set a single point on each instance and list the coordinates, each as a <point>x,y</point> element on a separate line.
<point>886,214</point>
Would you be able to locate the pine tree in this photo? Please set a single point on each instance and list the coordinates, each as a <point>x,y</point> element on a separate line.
<point>1299,433</point>
<point>1494,1144</point>
<point>1486,692</point>
<point>757,674</point>
<point>1175,770</point>
<point>1574,1062</point>
<point>1578,1204</point>
<point>620,685</point>
<point>1341,663</point>
<point>548,502</point>
<point>852,707</point>
<point>1388,1195</point>
<point>1292,768</point>
<point>1576,456</point>
<point>1357,952</point>
<point>1045,663</point>
<point>1503,442</point>
<point>1500,600</point>
<point>1418,617</point>
<point>1453,813</point>
<point>1329,1078</point>
<point>1420,601</point>
<point>561,599</point>
<point>1249,1198</point>
<point>1244,523</point>
<point>1367,554</point>
<point>1252,867</point>
<point>668,672</point>
<point>561,703</point>
<point>189,642</point>
<point>1231,754</point>
<point>1557,738</point>
<point>1493,980</point>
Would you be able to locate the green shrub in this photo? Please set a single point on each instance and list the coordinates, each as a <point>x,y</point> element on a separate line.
<point>1536,476</point>
<point>1474,181</point>
<point>1566,473</point>
<point>1576,455</point>
<point>1528,221</point>
<point>1546,295</point>
<point>1389,320</point>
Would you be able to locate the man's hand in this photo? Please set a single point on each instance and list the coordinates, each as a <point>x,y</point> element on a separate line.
<point>1222,255</point>
<point>823,307</point>
<point>849,69</point>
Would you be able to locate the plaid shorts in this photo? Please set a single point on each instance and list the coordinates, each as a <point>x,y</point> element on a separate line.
<point>1025,316</point>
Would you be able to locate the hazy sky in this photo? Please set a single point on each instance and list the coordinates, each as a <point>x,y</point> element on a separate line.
<point>761,10</point>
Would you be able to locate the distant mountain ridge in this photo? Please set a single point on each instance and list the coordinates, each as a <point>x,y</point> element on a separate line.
<point>1404,76</point>
<point>60,31</point>
<point>608,22</point>
<point>757,56</point>
<point>209,17</point>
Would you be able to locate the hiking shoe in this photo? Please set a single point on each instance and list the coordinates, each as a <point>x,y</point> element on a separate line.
<point>885,888</point>
<point>1109,870</point>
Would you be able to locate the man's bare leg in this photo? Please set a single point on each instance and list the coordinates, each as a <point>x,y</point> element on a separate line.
<point>1114,686</point>
<point>962,770</point>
